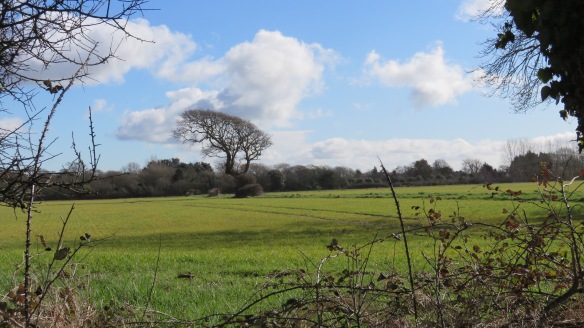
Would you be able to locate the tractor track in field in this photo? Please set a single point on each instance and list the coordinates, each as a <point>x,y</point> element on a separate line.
<point>251,209</point>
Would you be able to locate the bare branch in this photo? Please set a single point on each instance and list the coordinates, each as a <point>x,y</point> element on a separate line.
<point>222,136</point>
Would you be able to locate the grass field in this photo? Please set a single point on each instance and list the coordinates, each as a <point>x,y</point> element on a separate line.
<point>230,245</point>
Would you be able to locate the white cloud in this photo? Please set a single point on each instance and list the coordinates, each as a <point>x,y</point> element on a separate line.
<point>167,48</point>
<point>194,72</point>
<point>470,9</point>
<point>432,80</point>
<point>288,147</point>
<point>101,105</point>
<point>554,142</point>
<point>293,147</point>
<point>160,49</point>
<point>156,124</point>
<point>365,154</point>
<point>265,81</point>
<point>269,76</point>
<point>10,124</point>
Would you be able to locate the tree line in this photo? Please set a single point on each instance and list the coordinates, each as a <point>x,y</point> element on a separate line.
<point>172,177</point>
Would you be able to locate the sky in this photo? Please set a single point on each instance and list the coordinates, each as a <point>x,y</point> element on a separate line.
<point>340,83</point>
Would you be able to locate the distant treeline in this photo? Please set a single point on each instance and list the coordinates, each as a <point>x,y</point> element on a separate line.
<point>171,177</point>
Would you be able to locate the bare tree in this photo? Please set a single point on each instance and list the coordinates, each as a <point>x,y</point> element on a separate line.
<point>35,35</point>
<point>512,74</point>
<point>471,166</point>
<point>252,142</point>
<point>132,168</point>
<point>510,67</point>
<point>223,136</point>
<point>516,147</point>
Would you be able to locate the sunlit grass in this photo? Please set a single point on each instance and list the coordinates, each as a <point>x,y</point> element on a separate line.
<point>230,245</point>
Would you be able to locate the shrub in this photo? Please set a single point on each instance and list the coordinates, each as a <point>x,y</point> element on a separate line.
<point>245,179</point>
<point>226,183</point>
<point>249,190</point>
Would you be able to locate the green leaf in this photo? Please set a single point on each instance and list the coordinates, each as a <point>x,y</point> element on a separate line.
<point>545,74</point>
<point>504,38</point>
<point>545,92</point>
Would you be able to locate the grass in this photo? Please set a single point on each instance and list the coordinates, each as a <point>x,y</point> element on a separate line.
<point>230,245</point>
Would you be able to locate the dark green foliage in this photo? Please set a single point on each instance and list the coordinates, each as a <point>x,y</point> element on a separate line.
<point>249,190</point>
<point>527,167</point>
<point>441,167</point>
<point>277,180</point>
<point>300,177</point>
<point>422,168</point>
<point>327,178</point>
<point>245,179</point>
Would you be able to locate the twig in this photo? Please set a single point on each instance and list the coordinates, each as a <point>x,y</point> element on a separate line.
<point>405,238</point>
<point>151,292</point>
<point>34,176</point>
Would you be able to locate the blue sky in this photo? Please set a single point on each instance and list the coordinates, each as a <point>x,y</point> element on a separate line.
<point>334,83</point>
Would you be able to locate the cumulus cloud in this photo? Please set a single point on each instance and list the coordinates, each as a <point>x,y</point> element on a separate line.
<point>401,151</point>
<point>432,80</point>
<point>262,80</point>
<point>265,80</point>
<point>288,147</point>
<point>469,9</point>
<point>269,76</point>
<point>554,142</point>
<point>156,124</point>
<point>295,149</point>
<point>155,48</point>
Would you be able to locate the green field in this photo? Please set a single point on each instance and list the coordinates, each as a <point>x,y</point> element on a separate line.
<point>230,245</point>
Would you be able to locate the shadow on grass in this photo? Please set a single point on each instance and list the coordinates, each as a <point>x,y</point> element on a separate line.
<point>289,236</point>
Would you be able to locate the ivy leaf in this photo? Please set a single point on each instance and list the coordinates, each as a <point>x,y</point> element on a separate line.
<point>504,38</point>
<point>546,91</point>
<point>545,74</point>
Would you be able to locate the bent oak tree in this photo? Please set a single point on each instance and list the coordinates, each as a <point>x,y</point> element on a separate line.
<point>223,136</point>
